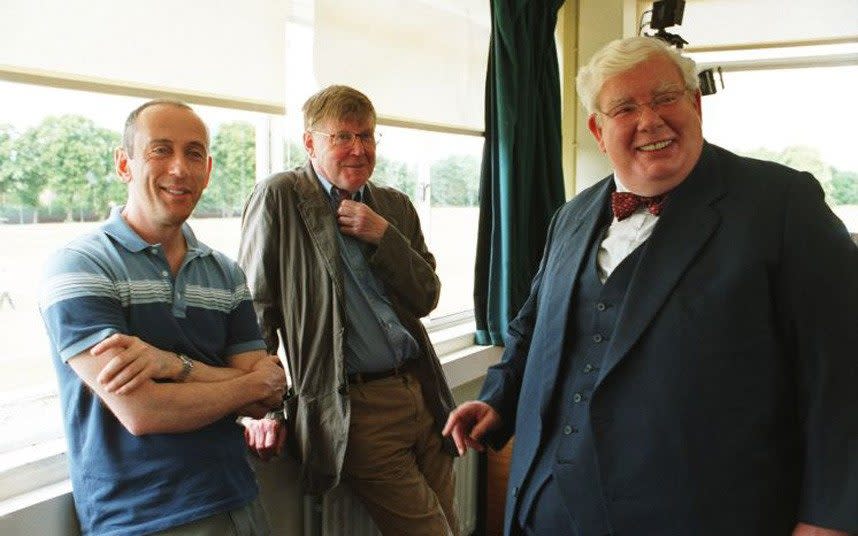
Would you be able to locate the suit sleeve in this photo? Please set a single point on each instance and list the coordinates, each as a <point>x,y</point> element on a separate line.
<point>819,278</point>
<point>406,266</point>
<point>259,258</point>
<point>502,385</point>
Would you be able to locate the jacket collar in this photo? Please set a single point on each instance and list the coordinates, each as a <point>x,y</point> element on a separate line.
<point>688,220</point>
<point>316,212</point>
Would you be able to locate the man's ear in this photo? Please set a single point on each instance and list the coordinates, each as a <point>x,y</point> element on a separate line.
<point>209,168</point>
<point>120,162</point>
<point>596,130</point>
<point>308,143</point>
<point>697,105</point>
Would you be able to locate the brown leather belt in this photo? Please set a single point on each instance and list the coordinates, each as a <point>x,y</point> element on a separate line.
<point>364,377</point>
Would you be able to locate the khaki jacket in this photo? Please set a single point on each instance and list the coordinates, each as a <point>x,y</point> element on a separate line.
<point>290,254</point>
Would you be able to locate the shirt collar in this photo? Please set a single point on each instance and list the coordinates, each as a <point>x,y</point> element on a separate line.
<point>326,184</point>
<point>117,228</point>
<point>618,184</point>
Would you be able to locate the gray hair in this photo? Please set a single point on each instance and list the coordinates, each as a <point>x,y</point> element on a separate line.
<point>623,54</point>
<point>131,122</point>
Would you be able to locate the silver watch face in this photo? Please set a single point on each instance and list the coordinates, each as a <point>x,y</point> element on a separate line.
<point>187,365</point>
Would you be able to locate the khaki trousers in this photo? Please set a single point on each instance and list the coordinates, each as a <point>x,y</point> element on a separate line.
<point>395,461</point>
<point>249,520</point>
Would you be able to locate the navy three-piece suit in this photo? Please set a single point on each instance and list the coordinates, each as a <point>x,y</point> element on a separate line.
<point>708,387</point>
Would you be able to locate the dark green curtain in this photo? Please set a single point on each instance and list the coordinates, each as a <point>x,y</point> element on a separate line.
<point>521,182</point>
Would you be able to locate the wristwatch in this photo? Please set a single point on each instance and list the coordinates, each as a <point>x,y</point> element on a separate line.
<point>187,366</point>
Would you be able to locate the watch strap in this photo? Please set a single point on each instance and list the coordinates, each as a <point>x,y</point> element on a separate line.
<point>187,366</point>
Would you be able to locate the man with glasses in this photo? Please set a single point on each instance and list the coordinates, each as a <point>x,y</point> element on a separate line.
<point>340,273</point>
<point>686,361</point>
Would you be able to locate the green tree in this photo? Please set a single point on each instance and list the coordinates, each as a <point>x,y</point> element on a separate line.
<point>764,154</point>
<point>234,153</point>
<point>808,159</point>
<point>802,158</point>
<point>7,184</point>
<point>6,135</point>
<point>294,155</point>
<point>395,174</point>
<point>844,187</point>
<point>28,173</point>
<point>72,158</point>
<point>454,181</point>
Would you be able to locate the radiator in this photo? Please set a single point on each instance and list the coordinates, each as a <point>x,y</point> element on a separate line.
<point>344,515</point>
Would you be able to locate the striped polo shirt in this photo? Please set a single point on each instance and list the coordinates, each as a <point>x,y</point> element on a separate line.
<point>112,281</point>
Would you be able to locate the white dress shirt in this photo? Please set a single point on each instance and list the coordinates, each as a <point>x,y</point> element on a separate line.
<point>622,237</point>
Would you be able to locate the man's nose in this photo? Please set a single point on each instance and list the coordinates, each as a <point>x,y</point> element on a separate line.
<point>358,146</point>
<point>178,166</point>
<point>648,118</point>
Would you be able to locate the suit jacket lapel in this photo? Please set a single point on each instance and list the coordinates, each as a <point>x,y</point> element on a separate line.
<point>573,244</point>
<point>383,209</point>
<point>686,224</point>
<point>315,210</point>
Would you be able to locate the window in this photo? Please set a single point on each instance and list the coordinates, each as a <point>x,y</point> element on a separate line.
<point>791,106</point>
<point>57,179</point>
<point>57,182</point>
<point>440,172</point>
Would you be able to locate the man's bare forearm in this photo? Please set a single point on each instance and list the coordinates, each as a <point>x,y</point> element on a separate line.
<point>133,361</point>
<point>180,407</point>
<point>175,407</point>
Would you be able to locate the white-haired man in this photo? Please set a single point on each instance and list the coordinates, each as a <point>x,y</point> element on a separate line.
<point>685,363</point>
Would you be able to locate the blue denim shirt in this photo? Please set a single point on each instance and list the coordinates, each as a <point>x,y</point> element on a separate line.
<point>375,339</point>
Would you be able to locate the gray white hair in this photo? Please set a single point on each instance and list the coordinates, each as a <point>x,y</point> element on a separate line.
<point>623,54</point>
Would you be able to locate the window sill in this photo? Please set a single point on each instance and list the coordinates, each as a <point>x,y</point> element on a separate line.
<point>35,497</point>
<point>468,364</point>
<point>462,360</point>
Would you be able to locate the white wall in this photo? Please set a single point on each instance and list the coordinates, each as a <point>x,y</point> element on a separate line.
<point>599,22</point>
<point>196,46</point>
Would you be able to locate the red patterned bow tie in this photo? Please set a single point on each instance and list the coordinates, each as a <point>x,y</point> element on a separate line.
<point>624,204</point>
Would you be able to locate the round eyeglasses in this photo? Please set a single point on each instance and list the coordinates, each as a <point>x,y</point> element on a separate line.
<point>347,139</point>
<point>631,110</point>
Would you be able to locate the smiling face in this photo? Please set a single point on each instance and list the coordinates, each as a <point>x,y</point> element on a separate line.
<point>346,166</point>
<point>652,151</point>
<point>168,172</point>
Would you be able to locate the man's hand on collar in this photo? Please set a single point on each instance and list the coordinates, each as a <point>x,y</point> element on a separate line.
<point>358,220</point>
